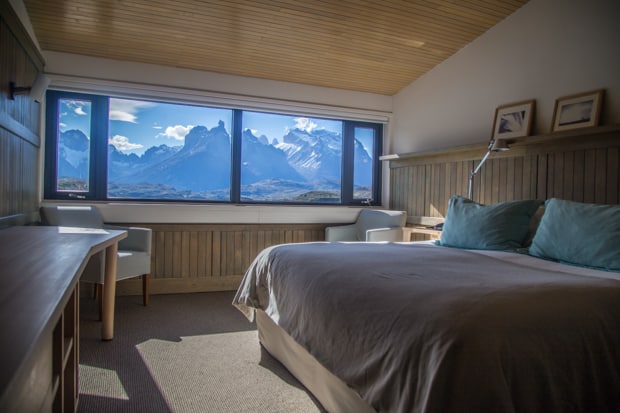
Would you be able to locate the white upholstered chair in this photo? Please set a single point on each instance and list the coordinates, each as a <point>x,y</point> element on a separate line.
<point>134,252</point>
<point>371,225</point>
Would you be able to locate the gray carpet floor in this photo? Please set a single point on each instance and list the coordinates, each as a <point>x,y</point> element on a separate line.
<point>182,353</point>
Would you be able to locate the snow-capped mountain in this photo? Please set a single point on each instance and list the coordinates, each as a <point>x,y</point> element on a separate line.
<point>73,155</point>
<point>315,155</point>
<point>300,161</point>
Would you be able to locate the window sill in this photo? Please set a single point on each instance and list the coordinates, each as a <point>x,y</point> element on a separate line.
<point>170,213</point>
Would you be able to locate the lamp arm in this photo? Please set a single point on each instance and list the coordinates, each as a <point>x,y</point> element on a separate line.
<point>475,171</point>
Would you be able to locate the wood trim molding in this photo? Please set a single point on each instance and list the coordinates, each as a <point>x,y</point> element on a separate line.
<point>180,285</point>
<point>19,130</point>
<point>19,219</point>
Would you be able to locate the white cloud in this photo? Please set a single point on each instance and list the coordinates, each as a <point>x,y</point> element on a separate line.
<point>305,124</point>
<point>123,116</point>
<point>126,110</point>
<point>76,106</point>
<point>79,110</point>
<point>177,132</point>
<point>122,143</point>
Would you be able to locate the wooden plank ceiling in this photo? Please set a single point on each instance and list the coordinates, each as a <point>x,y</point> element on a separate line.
<point>362,45</point>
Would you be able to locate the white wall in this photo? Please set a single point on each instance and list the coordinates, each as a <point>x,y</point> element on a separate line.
<point>546,49</point>
<point>89,72</point>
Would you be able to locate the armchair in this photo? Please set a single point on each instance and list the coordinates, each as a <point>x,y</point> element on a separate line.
<point>371,225</point>
<point>134,252</point>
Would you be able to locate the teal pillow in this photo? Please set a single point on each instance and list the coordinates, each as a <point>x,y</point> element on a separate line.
<point>503,226</point>
<point>580,234</point>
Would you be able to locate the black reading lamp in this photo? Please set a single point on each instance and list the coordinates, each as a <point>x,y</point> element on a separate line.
<point>495,145</point>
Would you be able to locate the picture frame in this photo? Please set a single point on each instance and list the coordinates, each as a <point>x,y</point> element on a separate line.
<point>577,111</point>
<point>513,120</point>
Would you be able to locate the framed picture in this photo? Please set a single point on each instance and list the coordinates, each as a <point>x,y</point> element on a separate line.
<point>513,120</point>
<point>577,111</point>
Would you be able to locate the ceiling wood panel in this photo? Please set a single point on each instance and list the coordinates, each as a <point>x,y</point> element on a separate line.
<point>361,45</point>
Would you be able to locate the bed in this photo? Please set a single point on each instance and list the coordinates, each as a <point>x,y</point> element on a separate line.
<point>474,324</point>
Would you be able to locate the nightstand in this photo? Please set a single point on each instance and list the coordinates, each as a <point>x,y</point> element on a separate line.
<point>433,234</point>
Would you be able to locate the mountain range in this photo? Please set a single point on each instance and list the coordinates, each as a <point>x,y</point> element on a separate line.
<point>285,169</point>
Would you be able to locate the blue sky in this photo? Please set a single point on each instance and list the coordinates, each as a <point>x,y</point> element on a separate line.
<point>136,125</point>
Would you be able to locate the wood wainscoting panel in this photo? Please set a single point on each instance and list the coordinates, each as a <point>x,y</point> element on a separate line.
<point>581,166</point>
<point>19,123</point>
<point>211,257</point>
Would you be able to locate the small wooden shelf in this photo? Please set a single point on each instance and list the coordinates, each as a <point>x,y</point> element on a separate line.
<point>526,140</point>
<point>68,347</point>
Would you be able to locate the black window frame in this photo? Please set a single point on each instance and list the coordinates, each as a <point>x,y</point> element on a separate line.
<point>99,138</point>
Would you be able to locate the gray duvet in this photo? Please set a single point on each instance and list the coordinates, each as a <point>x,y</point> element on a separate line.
<point>421,328</point>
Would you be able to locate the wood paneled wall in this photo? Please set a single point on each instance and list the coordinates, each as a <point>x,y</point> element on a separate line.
<point>582,167</point>
<point>19,123</point>
<point>578,165</point>
<point>212,257</point>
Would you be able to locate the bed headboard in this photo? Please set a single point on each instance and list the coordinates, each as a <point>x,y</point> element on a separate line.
<point>579,165</point>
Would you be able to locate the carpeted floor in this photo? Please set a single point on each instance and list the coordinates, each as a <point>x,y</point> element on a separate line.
<point>182,353</point>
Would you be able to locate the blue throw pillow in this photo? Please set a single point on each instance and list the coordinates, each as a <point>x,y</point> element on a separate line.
<point>503,226</point>
<point>580,234</point>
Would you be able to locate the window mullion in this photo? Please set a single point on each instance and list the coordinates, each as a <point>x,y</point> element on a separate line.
<point>347,163</point>
<point>99,147</point>
<point>51,144</point>
<point>235,175</point>
<point>378,149</point>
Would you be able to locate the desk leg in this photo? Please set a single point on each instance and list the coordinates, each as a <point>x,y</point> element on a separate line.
<point>109,292</point>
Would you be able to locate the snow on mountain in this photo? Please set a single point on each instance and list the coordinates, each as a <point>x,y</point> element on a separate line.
<point>202,164</point>
<point>299,161</point>
<point>315,155</point>
<point>73,154</point>
<point>262,161</point>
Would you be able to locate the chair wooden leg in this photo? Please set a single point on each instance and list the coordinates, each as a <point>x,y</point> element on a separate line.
<point>145,289</point>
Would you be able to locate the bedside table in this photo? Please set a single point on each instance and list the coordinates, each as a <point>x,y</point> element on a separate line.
<point>433,234</point>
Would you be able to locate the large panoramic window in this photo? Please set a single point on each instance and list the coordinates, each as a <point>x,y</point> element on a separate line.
<point>104,148</point>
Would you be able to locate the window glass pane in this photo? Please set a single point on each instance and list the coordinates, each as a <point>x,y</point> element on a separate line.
<point>290,159</point>
<point>73,154</point>
<point>363,163</point>
<point>168,151</point>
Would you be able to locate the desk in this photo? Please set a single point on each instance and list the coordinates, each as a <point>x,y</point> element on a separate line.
<point>39,272</point>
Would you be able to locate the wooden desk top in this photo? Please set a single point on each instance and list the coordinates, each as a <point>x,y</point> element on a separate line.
<point>38,268</point>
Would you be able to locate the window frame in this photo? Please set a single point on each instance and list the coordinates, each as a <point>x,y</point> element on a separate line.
<point>99,136</point>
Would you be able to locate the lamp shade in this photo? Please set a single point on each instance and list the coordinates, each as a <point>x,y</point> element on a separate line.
<point>37,91</point>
